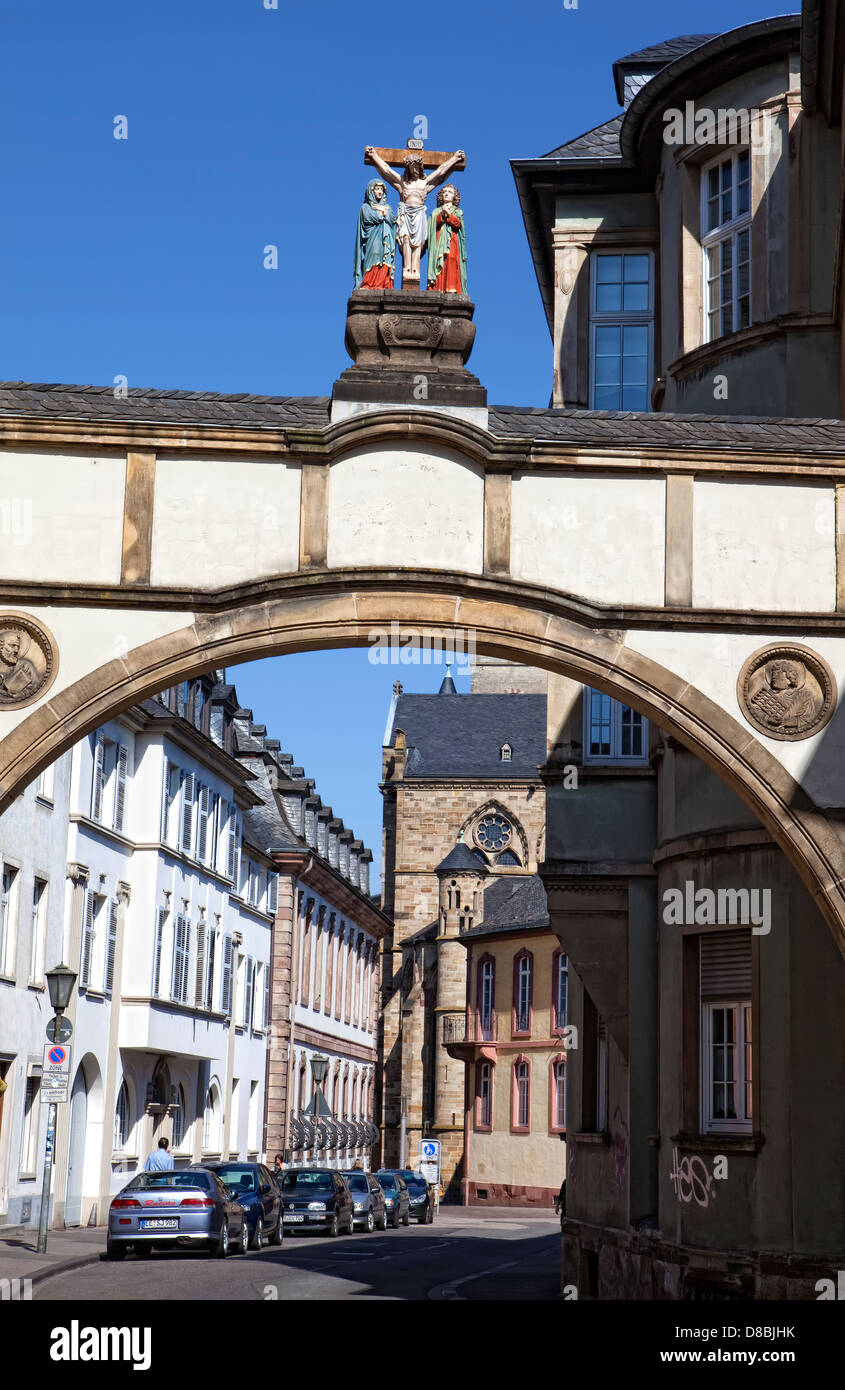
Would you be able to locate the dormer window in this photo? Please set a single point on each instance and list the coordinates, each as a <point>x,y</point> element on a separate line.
<point>621,320</point>
<point>726,242</point>
<point>506,753</point>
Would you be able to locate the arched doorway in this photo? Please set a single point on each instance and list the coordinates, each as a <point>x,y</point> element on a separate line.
<point>76,1149</point>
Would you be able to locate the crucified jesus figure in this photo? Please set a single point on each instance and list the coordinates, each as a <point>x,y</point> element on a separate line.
<point>413,187</point>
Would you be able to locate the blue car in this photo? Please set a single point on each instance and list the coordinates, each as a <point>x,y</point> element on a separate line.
<point>256,1189</point>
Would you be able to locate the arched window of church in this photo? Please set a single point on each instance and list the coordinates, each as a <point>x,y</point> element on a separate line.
<point>508,860</point>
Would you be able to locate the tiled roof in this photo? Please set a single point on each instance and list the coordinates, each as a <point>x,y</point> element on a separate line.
<point>511,903</point>
<point>609,429</point>
<point>602,142</point>
<point>461,860</point>
<point>463,738</point>
<point>164,407</point>
<point>668,50</point>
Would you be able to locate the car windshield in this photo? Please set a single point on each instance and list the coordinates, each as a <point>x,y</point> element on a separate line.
<point>357,1182</point>
<point>415,1184</point>
<point>387,1180</point>
<point>240,1179</point>
<point>145,1181</point>
<point>307,1182</point>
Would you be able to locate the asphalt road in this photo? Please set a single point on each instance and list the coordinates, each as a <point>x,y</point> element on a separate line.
<point>461,1257</point>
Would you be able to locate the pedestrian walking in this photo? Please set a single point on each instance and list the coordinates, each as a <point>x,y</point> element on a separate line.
<point>278,1164</point>
<point>160,1160</point>
<point>560,1203</point>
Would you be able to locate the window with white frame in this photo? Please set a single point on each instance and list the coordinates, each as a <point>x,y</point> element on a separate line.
<point>726,243</point>
<point>39,931</point>
<point>726,1071</point>
<point>612,731</point>
<point>29,1134</point>
<point>45,786</point>
<point>170,823</point>
<point>621,319</point>
<point>226,976</point>
<point>86,955</point>
<point>521,1082</point>
<point>248,990</point>
<point>484,1106</point>
<point>109,777</point>
<point>561,985</point>
<point>181,960</point>
<point>9,918</point>
<point>559,1097</point>
<point>487,986</point>
<point>158,944</point>
<point>111,948</point>
<point>121,1118</point>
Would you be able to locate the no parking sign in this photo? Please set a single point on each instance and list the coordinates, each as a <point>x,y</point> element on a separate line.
<point>55,1072</point>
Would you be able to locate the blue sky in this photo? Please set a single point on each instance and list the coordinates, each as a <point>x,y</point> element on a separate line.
<point>246,127</point>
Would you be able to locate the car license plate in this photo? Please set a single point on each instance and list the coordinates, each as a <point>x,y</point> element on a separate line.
<point>293,1218</point>
<point>160,1224</point>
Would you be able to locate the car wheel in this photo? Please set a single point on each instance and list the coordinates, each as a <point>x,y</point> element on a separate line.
<point>243,1243</point>
<point>332,1228</point>
<point>221,1249</point>
<point>394,1221</point>
<point>370,1223</point>
<point>276,1233</point>
<point>406,1219</point>
<point>350,1230</point>
<point>114,1251</point>
<point>382,1224</point>
<point>257,1241</point>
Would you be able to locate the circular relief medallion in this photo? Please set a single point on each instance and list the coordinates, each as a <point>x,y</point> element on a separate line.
<point>28,660</point>
<point>786,692</point>
<point>493,833</point>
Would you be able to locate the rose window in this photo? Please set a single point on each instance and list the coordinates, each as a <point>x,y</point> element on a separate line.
<point>493,833</point>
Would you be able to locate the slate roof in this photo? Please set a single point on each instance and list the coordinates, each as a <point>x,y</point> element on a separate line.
<point>602,142</point>
<point>463,738</point>
<point>595,428</point>
<point>512,903</point>
<point>461,860</point>
<point>668,50</point>
<point>165,407</point>
<point>607,429</point>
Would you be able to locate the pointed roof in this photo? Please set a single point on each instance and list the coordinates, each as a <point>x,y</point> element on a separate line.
<point>461,860</point>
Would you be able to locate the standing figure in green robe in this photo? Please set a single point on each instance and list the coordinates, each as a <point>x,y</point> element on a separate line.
<point>447,246</point>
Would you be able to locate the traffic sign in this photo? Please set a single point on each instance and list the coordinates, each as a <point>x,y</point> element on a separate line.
<point>56,1062</point>
<point>59,1030</point>
<point>430,1150</point>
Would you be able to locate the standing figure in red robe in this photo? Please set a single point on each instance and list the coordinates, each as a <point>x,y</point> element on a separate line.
<point>447,247</point>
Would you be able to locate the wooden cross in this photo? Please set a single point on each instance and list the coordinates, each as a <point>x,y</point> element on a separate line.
<point>431,159</point>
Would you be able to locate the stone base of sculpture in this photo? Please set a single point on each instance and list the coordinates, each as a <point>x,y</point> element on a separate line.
<point>409,346</point>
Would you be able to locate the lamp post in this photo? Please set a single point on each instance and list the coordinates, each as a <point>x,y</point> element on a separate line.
<point>319,1067</point>
<point>60,982</point>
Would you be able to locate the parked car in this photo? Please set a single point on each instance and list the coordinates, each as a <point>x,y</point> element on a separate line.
<point>396,1197</point>
<point>185,1208</point>
<point>421,1195</point>
<point>317,1198</point>
<point>253,1185</point>
<point>368,1200</point>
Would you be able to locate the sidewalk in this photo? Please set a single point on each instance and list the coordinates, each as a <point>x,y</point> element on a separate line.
<point>66,1250</point>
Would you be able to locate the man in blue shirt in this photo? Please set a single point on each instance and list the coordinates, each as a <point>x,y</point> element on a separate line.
<point>160,1160</point>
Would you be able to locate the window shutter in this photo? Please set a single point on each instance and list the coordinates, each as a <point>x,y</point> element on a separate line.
<point>208,998</point>
<point>166,800</point>
<point>188,812</point>
<point>199,978</point>
<point>267,994</point>
<point>233,843</point>
<point>97,782</point>
<point>108,983</point>
<point>181,956</point>
<point>249,990</point>
<point>202,832</point>
<point>725,959</point>
<point>120,792</point>
<point>272,892</point>
<point>159,937</point>
<point>87,940</point>
<point>226,983</point>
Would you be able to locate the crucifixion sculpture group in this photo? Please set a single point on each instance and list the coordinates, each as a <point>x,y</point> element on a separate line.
<point>381,230</point>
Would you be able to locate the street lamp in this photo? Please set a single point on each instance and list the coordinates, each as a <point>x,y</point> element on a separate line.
<point>319,1067</point>
<point>60,982</point>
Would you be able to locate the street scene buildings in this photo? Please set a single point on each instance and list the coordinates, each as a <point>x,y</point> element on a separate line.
<point>606,964</point>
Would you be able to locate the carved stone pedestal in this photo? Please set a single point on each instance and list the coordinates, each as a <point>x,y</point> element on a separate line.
<point>409,347</point>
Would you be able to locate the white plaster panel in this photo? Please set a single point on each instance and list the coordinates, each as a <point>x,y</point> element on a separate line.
<point>88,638</point>
<point>764,546</point>
<point>218,522</point>
<point>600,537</point>
<point>406,507</point>
<point>711,662</point>
<point>61,518</point>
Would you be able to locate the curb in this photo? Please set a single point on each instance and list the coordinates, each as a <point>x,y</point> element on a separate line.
<point>64,1267</point>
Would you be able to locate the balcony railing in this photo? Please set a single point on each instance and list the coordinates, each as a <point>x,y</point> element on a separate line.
<point>457,1028</point>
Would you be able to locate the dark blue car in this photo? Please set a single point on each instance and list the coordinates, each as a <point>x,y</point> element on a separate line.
<point>256,1189</point>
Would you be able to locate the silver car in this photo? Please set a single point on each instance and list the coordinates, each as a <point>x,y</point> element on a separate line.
<point>184,1209</point>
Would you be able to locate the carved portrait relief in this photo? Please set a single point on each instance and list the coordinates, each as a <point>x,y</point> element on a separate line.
<point>28,660</point>
<point>787,692</point>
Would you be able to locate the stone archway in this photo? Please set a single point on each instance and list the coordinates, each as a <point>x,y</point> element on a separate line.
<point>329,610</point>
